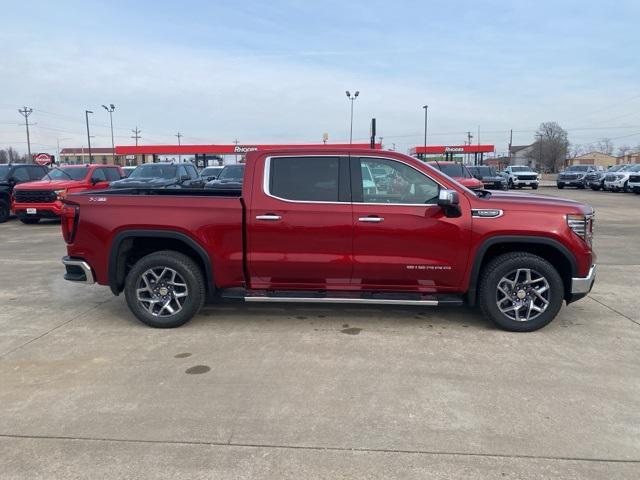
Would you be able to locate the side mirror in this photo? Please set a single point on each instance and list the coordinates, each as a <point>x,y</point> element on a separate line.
<point>478,177</point>
<point>94,180</point>
<point>185,178</point>
<point>449,201</point>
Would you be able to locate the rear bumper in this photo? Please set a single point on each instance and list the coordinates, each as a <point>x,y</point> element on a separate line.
<point>581,286</point>
<point>77,270</point>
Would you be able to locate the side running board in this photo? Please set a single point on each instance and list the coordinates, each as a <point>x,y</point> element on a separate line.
<point>366,298</point>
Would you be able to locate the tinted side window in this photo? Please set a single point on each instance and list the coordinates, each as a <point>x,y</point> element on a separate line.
<point>193,173</point>
<point>112,174</point>
<point>182,171</point>
<point>98,175</point>
<point>305,178</point>
<point>21,174</point>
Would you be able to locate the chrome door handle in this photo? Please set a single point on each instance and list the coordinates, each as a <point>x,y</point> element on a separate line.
<point>269,218</point>
<point>371,219</point>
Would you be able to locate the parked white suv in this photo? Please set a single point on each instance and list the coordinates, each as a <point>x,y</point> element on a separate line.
<point>519,176</point>
<point>617,181</point>
<point>634,181</point>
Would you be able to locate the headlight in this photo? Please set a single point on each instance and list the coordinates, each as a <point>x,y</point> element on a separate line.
<point>60,193</point>
<point>619,177</point>
<point>582,225</point>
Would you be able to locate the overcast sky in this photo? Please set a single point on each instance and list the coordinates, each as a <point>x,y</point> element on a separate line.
<point>269,72</point>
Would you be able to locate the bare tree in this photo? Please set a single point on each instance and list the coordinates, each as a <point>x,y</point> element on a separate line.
<point>551,147</point>
<point>604,145</point>
<point>623,150</point>
<point>4,157</point>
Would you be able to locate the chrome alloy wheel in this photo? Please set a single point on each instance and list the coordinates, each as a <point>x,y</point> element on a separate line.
<point>161,291</point>
<point>523,295</point>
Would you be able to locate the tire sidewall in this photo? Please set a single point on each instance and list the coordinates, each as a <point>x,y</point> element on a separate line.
<point>501,266</point>
<point>192,276</point>
<point>5,211</point>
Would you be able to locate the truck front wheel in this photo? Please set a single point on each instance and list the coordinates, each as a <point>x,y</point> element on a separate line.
<point>165,289</point>
<point>520,292</point>
<point>4,210</point>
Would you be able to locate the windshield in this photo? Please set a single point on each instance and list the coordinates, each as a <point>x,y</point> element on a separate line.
<point>211,171</point>
<point>633,168</point>
<point>454,170</point>
<point>4,171</point>
<point>579,168</point>
<point>521,169</point>
<point>232,172</point>
<point>154,170</point>
<point>483,171</point>
<point>68,173</point>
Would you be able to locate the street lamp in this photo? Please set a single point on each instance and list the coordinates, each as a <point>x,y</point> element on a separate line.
<point>86,116</point>
<point>110,109</point>
<point>426,110</point>
<point>352,98</point>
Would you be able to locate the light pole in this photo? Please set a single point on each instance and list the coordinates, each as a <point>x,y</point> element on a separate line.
<point>179,135</point>
<point>352,98</point>
<point>110,109</point>
<point>86,116</point>
<point>426,110</point>
<point>25,112</point>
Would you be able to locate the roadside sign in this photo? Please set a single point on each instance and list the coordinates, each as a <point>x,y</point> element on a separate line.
<point>43,159</point>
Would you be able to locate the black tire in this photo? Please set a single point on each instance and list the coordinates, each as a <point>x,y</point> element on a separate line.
<point>595,188</point>
<point>5,211</point>
<point>625,187</point>
<point>560,186</point>
<point>581,187</point>
<point>29,221</point>
<point>190,273</point>
<point>510,184</point>
<point>501,266</point>
<point>534,187</point>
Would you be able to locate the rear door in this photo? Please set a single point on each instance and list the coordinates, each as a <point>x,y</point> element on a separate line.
<point>300,224</point>
<point>402,240</point>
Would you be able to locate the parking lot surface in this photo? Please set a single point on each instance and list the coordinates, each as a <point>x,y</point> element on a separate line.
<point>294,391</point>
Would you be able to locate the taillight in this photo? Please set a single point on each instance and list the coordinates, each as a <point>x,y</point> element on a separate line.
<point>69,221</point>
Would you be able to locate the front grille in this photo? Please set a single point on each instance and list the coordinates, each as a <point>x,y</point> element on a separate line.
<point>634,178</point>
<point>592,176</point>
<point>610,178</point>
<point>527,177</point>
<point>35,196</point>
<point>569,176</point>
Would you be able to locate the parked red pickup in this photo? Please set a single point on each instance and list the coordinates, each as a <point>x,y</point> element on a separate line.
<point>304,229</point>
<point>43,198</point>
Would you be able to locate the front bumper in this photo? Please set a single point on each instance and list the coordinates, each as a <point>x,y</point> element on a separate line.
<point>530,183</point>
<point>580,286</point>
<point>78,270</point>
<point>579,182</point>
<point>617,184</point>
<point>43,210</point>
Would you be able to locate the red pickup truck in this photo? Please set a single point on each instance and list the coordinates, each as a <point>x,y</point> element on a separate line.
<point>304,228</point>
<point>43,199</point>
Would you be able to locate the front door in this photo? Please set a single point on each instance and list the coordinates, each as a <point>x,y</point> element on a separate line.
<point>402,239</point>
<point>299,224</point>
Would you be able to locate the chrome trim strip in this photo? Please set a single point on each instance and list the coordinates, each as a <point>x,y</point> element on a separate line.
<point>581,285</point>
<point>371,219</point>
<point>271,218</point>
<point>83,265</point>
<point>341,300</point>
<point>267,171</point>
<point>476,210</point>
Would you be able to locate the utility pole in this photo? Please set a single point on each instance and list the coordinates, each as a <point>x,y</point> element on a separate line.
<point>110,109</point>
<point>179,135</point>
<point>469,137</point>
<point>510,143</point>
<point>136,135</point>
<point>352,98</point>
<point>86,116</point>
<point>25,112</point>
<point>236,142</point>
<point>426,111</point>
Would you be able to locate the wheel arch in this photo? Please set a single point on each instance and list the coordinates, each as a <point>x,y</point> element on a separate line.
<point>551,250</point>
<point>130,245</point>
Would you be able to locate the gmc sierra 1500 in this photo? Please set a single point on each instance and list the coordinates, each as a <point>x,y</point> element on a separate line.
<point>306,227</point>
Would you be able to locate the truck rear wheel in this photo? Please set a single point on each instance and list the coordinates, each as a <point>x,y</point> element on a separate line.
<point>165,289</point>
<point>520,292</point>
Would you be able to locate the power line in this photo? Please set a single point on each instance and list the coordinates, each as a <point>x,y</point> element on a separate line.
<point>136,134</point>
